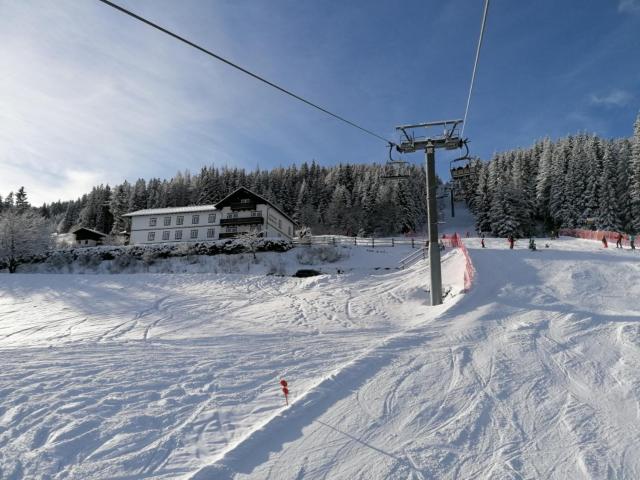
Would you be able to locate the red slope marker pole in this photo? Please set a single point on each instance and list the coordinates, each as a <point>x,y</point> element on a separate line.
<point>285,390</point>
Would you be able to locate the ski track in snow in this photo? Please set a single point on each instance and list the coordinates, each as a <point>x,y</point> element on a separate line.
<point>535,373</point>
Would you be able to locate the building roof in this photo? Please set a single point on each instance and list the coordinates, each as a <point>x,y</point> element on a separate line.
<point>226,199</point>
<point>88,230</point>
<point>170,210</point>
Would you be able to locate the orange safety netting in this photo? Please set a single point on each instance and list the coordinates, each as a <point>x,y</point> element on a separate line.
<point>594,235</point>
<point>455,241</point>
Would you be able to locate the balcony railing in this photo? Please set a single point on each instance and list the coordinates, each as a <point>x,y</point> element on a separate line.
<point>257,220</point>
<point>242,206</point>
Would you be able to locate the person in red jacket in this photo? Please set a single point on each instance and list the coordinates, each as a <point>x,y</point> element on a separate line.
<point>619,241</point>
<point>604,241</point>
<point>512,241</point>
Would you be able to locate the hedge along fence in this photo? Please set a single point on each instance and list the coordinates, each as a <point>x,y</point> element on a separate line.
<point>124,254</point>
<point>594,235</point>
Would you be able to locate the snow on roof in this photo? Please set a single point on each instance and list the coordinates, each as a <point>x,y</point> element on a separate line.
<point>170,210</point>
<point>89,230</point>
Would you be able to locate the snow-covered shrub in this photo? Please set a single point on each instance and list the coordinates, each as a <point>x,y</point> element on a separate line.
<point>122,263</point>
<point>320,254</point>
<point>126,258</point>
<point>149,257</point>
<point>276,267</point>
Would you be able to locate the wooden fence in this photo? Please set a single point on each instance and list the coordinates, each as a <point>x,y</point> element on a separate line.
<point>372,242</point>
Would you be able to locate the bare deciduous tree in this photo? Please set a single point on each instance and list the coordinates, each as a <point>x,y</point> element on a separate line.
<point>22,235</point>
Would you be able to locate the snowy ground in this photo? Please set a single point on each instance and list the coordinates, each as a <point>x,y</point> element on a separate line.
<point>533,374</point>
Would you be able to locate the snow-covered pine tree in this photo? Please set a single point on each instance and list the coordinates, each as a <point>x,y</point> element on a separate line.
<point>22,204</point>
<point>608,214</point>
<point>592,165</point>
<point>634,177</point>
<point>557,190</point>
<point>543,181</point>
<point>119,206</point>
<point>483,200</point>
<point>622,149</point>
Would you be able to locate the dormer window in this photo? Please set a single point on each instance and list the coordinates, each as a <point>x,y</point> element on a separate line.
<point>245,200</point>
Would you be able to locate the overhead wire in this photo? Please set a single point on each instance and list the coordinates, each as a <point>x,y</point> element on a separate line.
<point>475,65</point>
<point>242,69</point>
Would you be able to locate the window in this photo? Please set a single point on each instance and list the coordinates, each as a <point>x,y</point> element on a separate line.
<point>212,218</point>
<point>256,213</point>
<point>151,236</point>
<point>210,232</point>
<point>165,235</point>
<point>178,234</point>
<point>195,219</point>
<point>179,220</point>
<point>194,233</point>
<point>152,221</point>
<point>245,200</point>
<point>232,215</point>
<point>233,229</point>
<point>167,221</point>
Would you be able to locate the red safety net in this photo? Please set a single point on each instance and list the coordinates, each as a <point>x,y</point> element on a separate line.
<point>455,241</point>
<point>594,235</point>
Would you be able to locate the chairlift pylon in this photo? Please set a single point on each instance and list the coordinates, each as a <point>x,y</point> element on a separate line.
<point>395,169</point>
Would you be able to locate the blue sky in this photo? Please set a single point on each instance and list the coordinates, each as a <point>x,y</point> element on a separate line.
<point>89,96</point>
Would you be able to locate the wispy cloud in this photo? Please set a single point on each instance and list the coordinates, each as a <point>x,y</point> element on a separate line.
<point>629,6</point>
<point>84,102</point>
<point>615,98</point>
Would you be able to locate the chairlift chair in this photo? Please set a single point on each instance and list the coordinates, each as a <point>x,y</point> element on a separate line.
<point>464,170</point>
<point>395,169</point>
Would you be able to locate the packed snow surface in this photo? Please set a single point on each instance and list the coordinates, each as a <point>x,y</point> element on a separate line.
<point>535,373</point>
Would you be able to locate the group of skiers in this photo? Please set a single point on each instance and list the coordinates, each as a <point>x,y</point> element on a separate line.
<point>619,238</point>
<point>511,239</point>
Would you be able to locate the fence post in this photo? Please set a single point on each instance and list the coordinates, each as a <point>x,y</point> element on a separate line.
<point>373,242</point>
<point>392,243</point>
<point>355,240</point>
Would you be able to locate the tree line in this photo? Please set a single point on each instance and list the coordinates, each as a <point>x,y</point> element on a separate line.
<point>579,181</point>
<point>344,199</point>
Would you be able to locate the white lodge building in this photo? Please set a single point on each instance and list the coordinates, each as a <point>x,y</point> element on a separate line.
<point>240,212</point>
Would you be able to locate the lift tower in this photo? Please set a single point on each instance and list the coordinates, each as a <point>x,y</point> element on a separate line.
<point>449,140</point>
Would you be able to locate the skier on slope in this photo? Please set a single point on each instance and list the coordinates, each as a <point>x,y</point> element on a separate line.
<point>482,241</point>
<point>604,241</point>
<point>619,241</point>
<point>632,241</point>
<point>512,241</point>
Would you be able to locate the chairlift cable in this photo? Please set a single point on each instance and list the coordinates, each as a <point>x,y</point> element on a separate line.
<point>243,70</point>
<point>475,65</point>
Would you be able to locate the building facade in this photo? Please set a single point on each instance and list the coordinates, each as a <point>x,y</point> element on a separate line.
<point>240,212</point>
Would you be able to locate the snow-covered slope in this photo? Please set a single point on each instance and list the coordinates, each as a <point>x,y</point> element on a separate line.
<point>533,374</point>
<point>155,376</point>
